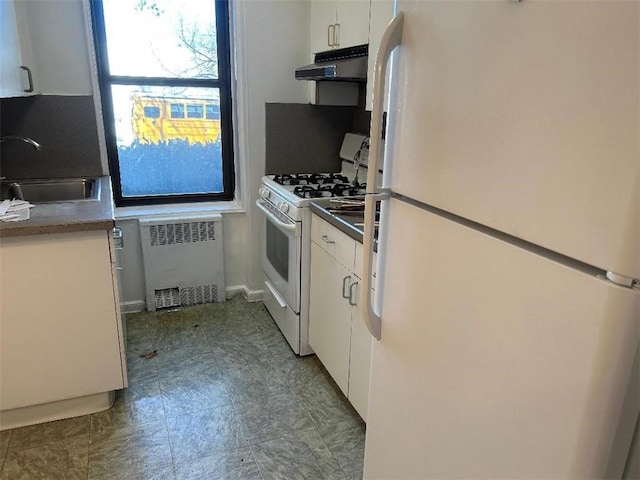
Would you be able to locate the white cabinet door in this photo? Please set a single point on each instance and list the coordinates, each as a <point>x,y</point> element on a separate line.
<point>60,334</point>
<point>352,23</point>
<point>15,51</point>
<point>360,360</point>
<point>323,16</point>
<point>330,315</point>
<point>338,23</point>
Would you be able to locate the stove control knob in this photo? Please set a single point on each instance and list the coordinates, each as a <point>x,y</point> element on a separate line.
<point>283,207</point>
<point>264,192</point>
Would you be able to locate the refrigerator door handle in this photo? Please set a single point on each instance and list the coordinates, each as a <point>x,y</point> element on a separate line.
<point>391,38</point>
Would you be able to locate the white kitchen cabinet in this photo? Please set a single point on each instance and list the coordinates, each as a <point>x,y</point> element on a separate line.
<point>381,13</point>
<point>62,335</point>
<point>353,23</point>
<point>337,332</point>
<point>338,24</point>
<point>16,57</point>
<point>360,359</point>
<point>330,315</point>
<point>323,19</point>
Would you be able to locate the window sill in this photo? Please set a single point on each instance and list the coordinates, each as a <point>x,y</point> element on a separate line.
<point>183,209</point>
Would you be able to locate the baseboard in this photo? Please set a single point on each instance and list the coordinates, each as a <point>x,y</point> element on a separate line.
<point>133,306</point>
<point>249,295</point>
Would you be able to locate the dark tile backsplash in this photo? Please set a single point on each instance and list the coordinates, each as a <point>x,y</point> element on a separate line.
<point>66,128</point>
<point>303,138</point>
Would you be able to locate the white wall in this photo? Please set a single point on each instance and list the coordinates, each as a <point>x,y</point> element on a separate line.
<point>272,40</point>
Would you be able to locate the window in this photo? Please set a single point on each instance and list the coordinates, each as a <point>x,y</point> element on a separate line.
<point>213,112</point>
<point>152,112</point>
<point>164,71</point>
<point>194,111</point>
<point>177,110</point>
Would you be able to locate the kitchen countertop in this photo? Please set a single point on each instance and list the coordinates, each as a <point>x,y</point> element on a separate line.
<point>62,217</point>
<point>345,223</point>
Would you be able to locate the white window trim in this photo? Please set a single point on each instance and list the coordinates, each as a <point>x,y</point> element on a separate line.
<point>174,209</point>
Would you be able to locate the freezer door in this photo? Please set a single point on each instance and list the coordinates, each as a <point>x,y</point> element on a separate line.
<point>495,362</point>
<point>524,117</point>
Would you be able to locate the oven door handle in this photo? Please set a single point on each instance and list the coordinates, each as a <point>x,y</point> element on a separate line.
<point>290,227</point>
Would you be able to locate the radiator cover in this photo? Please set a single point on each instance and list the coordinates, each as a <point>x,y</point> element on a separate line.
<point>183,260</point>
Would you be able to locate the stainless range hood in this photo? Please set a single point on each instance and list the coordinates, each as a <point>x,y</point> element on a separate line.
<point>342,65</point>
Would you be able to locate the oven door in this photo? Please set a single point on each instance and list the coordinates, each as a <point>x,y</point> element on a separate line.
<point>281,253</point>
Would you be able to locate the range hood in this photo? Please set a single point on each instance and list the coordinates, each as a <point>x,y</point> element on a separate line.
<point>343,65</point>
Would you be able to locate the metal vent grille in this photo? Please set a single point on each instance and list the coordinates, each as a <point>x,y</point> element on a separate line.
<point>184,232</point>
<point>199,294</point>
<point>181,297</point>
<point>167,297</point>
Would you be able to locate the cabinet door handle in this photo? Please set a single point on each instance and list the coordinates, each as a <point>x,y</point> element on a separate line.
<point>29,78</point>
<point>118,238</point>
<point>325,239</point>
<point>336,35</point>
<point>344,287</point>
<point>331,33</point>
<point>353,299</point>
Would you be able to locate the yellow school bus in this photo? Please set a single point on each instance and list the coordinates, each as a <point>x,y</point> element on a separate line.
<point>160,119</point>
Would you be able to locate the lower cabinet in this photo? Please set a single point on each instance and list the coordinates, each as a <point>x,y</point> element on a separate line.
<point>337,332</point>
<point>62,335</point>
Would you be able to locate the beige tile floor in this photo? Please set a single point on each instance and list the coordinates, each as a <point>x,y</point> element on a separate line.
<point>225,398</point>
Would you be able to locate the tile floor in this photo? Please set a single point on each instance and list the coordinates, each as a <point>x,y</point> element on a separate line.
<point>225,398</point>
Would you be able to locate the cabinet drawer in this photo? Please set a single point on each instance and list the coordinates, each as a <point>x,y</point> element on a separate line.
<point>336,243</point>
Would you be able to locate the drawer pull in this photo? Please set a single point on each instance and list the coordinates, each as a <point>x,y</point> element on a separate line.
<point>353,299</point>
<point>325,239</point>
<point>344,287</point>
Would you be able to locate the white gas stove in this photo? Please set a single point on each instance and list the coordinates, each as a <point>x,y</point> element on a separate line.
<point>290,191</point>
<point>286,245</point>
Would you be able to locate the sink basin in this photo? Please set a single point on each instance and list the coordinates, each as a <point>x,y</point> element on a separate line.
<point>52,190</point>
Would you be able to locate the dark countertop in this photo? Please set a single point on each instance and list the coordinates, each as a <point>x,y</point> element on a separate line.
<point>64,217</point>
<point>345,223</point>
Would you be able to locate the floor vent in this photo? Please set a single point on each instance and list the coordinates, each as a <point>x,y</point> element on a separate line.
<point>183,261</point>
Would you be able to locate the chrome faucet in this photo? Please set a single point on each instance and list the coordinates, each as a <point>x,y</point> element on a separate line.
<point>28,140</point>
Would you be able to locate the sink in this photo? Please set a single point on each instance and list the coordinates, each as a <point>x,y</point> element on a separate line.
<point>51,190</point>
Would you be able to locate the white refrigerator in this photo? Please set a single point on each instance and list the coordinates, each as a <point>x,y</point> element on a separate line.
<point>507,323</point>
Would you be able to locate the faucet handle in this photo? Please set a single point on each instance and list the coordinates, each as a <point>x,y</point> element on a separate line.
<point>28,140</point>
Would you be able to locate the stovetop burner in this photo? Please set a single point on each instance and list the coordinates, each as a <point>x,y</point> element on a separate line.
<point>310,179</point>
<point>329,190</point>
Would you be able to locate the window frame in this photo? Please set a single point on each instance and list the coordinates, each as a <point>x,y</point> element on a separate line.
<point>223,83</point>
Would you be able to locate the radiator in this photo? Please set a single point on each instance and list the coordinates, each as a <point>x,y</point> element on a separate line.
<point>183,261</point>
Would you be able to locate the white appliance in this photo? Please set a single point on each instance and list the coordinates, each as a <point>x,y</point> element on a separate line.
<point>509,254</point>
<point>284,200</point>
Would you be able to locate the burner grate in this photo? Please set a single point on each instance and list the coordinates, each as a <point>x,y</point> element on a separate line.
<point>302,179</point>
<point>328,190</point>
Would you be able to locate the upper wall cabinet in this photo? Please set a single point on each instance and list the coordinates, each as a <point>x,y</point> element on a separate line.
<point>381,15</point>
<point>16,58</point>
<point>338,24</point>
